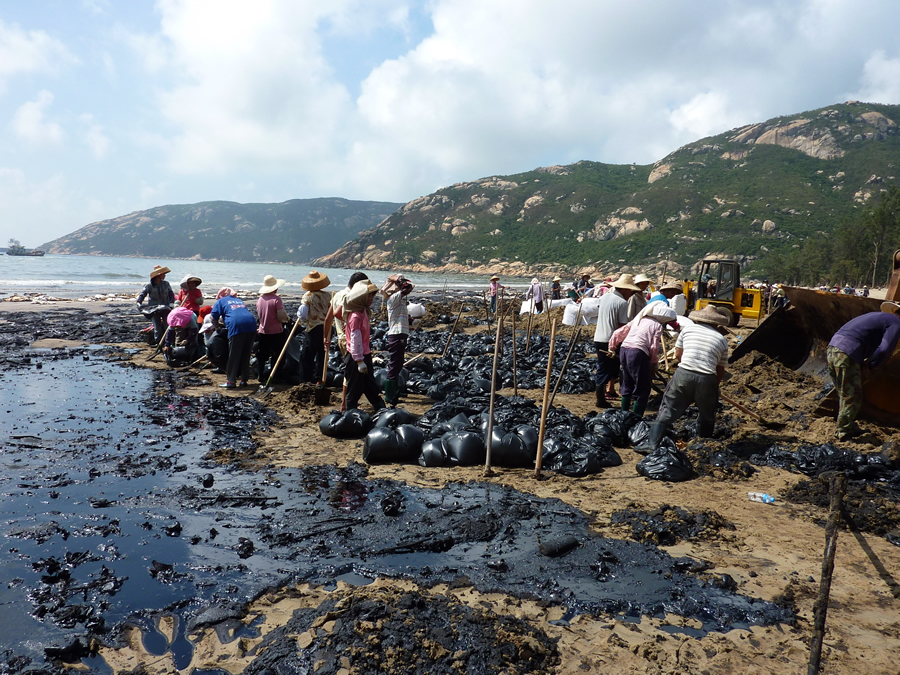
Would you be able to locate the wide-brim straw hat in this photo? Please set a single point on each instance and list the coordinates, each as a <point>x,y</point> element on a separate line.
<point>270,284</point>
<point>890,307</point>
<point>709,315</point>
<point>190,277</point>
<point>315,281</point>
<point>159,269</point>
<point>672,286</point>
<point>495,278</point>
<point>556,279</point>
<point>625,281</point>
<point>640,278</point>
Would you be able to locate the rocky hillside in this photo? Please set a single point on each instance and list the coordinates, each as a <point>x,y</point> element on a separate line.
<point>296,231</point>
<point>751,192</point>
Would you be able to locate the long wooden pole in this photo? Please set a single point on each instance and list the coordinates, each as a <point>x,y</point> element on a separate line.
<point>487,310</point>
<point>820,610</point>
<point>546,405</point>
<point>515,373</point>
<point>562,371</point>
<point>490,428</point>
<point>528,332</point>
<point>453,330</point>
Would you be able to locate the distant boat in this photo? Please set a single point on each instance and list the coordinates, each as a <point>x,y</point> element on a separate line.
<point>15,248</point>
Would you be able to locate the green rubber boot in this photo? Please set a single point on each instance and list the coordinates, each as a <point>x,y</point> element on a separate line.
<point>639,406</point>
<point>626,403</point>
<point>390,392</point>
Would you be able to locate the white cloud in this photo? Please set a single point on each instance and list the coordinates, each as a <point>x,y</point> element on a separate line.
<point>94,137</point>
<point>705,114</point>
<point>29,52</point>
<point>32,211</point>
<point>880,80</point>
<point>30,125</point>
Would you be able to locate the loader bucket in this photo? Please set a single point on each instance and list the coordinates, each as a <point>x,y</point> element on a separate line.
<point>798,335</point>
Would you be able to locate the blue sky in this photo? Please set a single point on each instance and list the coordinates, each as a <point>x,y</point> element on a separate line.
<point>112,106</point>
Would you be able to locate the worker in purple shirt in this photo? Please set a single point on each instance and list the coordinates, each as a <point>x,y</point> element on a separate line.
<point>864,342</point>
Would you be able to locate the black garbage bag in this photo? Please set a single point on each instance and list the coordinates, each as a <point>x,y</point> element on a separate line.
<point>352,424</point>
<point>382,444</point>
<point>411,440</point>
<point>577,456</point>
<point>464,448</point>
<point>619,423</point>
<point>433,453</point>
<point>394,417</point>
<point>511,450</point>
<point>529,436</point>
<point>639,433</point>
<point>667,463</point>
<point>291,370</point>
<point>217,349</point>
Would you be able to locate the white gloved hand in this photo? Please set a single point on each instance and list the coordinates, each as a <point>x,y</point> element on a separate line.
<point>362,367</point>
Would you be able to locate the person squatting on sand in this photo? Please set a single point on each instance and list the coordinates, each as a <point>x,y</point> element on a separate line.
<point>612,314</point>
<point>640,341</point>
<point>335,315</point>
<point>182,339</point>
<point>190,295</point>
<point>272,317</point>
<point>160,299</point>
<point>864,342</point>
<point>241,329</point>
<point>702,353</point>
<point>358,366</point>
<point>314,307</point>
<point>536,291</point>
<point>396,291</point>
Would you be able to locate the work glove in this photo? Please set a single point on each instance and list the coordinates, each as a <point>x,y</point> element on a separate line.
<point>362,367</point>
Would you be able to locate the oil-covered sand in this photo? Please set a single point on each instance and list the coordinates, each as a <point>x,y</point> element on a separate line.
<point>448,619</point>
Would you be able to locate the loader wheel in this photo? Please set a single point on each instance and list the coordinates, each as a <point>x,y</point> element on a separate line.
<point>728,314</point>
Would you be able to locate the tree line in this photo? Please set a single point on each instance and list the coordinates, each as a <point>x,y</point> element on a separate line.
<point>858,253</point>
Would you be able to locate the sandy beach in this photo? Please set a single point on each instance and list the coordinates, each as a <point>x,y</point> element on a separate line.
<point>771,552</point>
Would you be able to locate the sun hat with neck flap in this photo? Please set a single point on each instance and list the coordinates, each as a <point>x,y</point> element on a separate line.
<point>315,281</point>
<point>270,284</point>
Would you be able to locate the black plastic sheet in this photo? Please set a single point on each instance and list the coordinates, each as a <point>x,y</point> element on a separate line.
<point>667,463</point>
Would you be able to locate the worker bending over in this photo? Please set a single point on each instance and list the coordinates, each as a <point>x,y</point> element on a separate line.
<point>864,342</point>
<point>702,353</point>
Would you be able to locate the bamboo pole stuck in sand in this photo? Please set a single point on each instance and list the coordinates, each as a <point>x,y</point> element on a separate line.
<point>487,310</point>
<point>528,332</point>
<point>820,609</point>
<point>515,374</point>
<point>453,330</point>
<point>546,405</point>
<point>490,428</point>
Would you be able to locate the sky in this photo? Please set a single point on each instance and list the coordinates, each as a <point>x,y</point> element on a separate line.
<point>113,106</point>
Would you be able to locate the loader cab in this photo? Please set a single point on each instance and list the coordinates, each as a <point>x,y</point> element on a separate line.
<point>718,279</point>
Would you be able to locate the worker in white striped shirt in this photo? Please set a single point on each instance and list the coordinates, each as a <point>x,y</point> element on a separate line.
<point>702,353</point>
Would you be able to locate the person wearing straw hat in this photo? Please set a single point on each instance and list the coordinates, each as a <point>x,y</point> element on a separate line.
<point>867,341</point>
<point>358,366</point>
<point>536,291</point>
<point>190,296</point>
<point>612,314</point>
<point>555,289</point>
<point>702,353</point>
<point>272,317</point>
<point>583,285</point>
<point>666,292</point>
<point>638,301</point>
<point>160,300</point>
<point>241,330</point>
<point>313,310</point>
<point>396,291</point>
<point>494,289</point>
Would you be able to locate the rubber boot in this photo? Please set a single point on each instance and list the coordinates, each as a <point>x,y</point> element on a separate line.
<point>639,406</point>
<point>390,392</point>
<point>656,433</point>
<point>601,397</point>
<point>626,403</point>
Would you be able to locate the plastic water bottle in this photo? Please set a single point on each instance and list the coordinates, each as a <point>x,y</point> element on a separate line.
<point>761,497</point>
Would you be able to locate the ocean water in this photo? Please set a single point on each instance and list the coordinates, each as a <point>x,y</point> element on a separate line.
<point>72,276</point>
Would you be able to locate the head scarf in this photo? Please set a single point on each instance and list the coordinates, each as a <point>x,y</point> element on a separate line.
<point>224,292</point>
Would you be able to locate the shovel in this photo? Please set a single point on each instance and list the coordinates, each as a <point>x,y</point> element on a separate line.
<point>776,426</point>
<point>159,347</point>
<point>265,390</point>
<point>323,395</point>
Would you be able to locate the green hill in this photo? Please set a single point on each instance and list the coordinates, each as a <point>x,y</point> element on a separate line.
<point>757,193</point>
<point>295,231</point>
